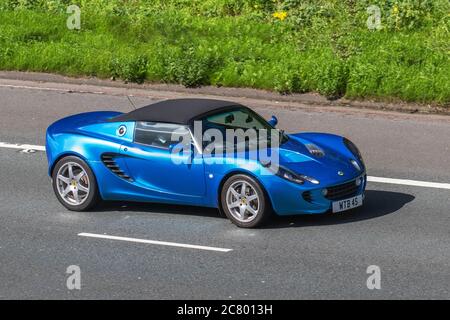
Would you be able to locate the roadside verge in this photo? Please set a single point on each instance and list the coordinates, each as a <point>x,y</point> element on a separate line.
<point>310,100</point>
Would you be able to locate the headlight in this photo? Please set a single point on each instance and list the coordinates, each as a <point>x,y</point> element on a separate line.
<point>353,149</point>
<point>294,177</point>
<point>315,150</point>
<point>356,165</point>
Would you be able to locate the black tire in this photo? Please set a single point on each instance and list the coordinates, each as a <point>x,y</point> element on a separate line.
<point>92,198</point>
<point>264,209</point>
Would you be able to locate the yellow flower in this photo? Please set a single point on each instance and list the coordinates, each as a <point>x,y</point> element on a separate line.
<point>395,9</point>
<point>280,15</point>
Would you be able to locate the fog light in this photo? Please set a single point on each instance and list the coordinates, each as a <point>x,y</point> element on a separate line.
<point>324,192</point>
<point>358,182</point>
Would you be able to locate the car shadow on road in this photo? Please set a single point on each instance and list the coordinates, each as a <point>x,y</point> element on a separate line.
<point>376,204</point>
<point>145,207</point>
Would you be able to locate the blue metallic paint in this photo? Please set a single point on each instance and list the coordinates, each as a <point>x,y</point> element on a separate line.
<point>156,179</point>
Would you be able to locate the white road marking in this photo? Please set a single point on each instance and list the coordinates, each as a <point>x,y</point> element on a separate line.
<point>49,89</point>
<point>161,243</point>
<point>405,182</point>
<point>413,183</point>
<point>21,146</point>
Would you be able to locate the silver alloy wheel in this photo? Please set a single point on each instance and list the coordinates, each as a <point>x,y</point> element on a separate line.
<point>243,201</point>
<point>72,183</point>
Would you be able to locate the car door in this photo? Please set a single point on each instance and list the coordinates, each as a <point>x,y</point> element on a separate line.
<point>155,167</point>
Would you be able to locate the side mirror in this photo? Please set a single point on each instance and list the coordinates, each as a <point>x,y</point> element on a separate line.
<point>229,118</point>
<point>273,121</point>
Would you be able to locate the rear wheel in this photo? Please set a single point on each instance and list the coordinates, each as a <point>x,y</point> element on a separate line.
<point>244,201</point>
<point>74,184</point>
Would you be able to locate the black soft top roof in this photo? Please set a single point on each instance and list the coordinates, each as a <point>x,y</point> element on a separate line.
<point>180,111</point>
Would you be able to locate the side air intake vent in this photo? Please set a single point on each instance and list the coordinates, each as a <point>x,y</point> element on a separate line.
<point>307,196</point>
<point>109,161</point>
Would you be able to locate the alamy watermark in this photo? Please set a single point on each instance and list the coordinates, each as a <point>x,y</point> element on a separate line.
<point>240,146</point>
<point>73,281</point>
<point>374,280</point>
<point>73,22</point>
<point>374,19</point>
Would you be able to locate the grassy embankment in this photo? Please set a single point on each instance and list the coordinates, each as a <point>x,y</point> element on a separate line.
<point>288,46</point>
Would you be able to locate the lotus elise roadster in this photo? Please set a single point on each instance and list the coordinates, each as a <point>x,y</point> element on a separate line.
<point>133,157</point>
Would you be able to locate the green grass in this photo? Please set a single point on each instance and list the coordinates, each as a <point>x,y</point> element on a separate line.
<point>322,46</point>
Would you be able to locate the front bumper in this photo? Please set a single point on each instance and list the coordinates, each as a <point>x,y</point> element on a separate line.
<point>291,199</point>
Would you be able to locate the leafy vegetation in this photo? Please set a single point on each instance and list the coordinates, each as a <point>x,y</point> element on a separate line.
<point>289,46</point>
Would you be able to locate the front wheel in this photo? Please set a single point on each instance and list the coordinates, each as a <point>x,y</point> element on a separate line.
<point>74,184</point>
<point>244,201</point>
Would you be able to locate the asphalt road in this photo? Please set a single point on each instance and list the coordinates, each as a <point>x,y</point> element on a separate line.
<point>405,230</point>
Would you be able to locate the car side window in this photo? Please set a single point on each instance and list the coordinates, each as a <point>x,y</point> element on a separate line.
<point>159,135</point>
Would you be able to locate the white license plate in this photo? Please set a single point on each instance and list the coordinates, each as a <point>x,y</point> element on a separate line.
<point>347,204</point>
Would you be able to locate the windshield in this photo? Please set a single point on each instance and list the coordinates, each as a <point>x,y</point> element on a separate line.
<point>250,130</point>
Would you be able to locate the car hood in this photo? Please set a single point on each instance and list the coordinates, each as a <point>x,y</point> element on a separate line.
<point>333,168</point>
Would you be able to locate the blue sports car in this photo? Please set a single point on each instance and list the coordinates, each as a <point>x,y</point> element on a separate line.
<point>204,153</point>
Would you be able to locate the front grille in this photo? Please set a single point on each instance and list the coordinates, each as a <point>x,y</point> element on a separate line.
<point>111,164</point>
<point>342,191</point>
